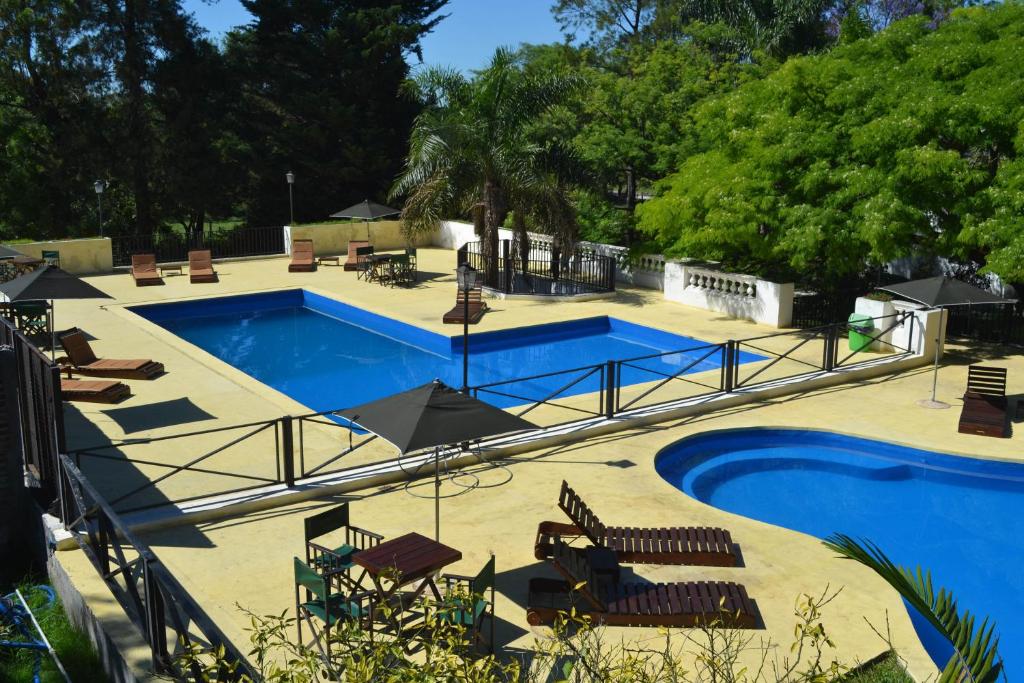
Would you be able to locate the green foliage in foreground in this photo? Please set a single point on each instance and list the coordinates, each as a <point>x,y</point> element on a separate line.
<point>975,655</point>
<point>907,142</point>
<point>573,651</point>
<point>72,646</point>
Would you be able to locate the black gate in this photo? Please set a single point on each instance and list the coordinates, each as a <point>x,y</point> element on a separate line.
<point>172,247</point>
<point>548,271</point>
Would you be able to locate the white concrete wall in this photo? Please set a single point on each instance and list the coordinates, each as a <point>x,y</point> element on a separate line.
<point>84,256</point>
<point>736,295</point>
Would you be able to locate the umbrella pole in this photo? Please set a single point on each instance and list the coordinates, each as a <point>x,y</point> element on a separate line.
<point>933,402</point>
<point>437,494</point>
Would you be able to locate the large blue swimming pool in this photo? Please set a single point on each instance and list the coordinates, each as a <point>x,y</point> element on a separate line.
<point>959,517</point>
<point>329,355</point>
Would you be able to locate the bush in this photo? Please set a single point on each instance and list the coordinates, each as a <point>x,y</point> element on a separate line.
<point>577,651</point>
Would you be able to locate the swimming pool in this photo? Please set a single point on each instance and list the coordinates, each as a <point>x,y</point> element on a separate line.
<point>956,516</point>
<point>329,355</point>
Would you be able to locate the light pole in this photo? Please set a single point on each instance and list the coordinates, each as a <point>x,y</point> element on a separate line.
<point>290,177</point>
<point>99,186</point>
<point>466,275</point>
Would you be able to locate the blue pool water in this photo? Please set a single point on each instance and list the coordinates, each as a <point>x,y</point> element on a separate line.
<point>329,355</point>
<point>959,517</point>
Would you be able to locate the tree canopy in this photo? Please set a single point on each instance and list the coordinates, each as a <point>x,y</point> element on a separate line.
<point>906,142</point>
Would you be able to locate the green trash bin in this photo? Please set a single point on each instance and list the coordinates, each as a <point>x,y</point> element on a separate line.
<point>862,328</point>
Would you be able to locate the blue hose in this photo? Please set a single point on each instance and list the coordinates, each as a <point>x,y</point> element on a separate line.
<point>14,616</point>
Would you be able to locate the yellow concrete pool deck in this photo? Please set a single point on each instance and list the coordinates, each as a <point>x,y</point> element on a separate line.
<point>247,559</point>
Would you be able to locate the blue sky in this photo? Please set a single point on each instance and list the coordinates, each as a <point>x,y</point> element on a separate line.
<point>465,40</point>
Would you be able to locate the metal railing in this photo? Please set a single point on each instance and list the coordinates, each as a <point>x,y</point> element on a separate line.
<point>39,403</point>
<point>172,247</point>
<point>160,608</point>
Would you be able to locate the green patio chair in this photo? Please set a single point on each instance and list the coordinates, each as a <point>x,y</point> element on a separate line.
<point>411,253</point>
<point>51,257</point>
<point>321,609</point>
<point>337,560</point>
<point>33,319</point>
<point>466,603</point>
<point>399,270</point>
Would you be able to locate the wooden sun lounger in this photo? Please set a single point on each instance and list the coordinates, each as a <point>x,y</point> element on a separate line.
<point>707,546</point>
<point>303,260</point>
<point>85,362</point>
<point>94,391</point>
<point>200,266</point>
<point>477,308</point>
<point>613,603</point>
<point>144,270</point>
<point>985,408</point>
<point>352,262</point>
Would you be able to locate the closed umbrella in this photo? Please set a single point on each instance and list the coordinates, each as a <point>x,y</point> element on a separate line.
<point>431,416</point>
<point>942,292</point>
<point>48,283</point>
<point>368,211</point>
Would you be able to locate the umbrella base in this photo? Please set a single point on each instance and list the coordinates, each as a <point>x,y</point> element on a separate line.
<point>933,404</point>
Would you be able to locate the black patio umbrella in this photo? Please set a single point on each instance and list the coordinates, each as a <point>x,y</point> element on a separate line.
<point>431,416</point>
<point>368,211</point>
<point>46,284</point>
<point>7,252</point>
<point>942,292</point>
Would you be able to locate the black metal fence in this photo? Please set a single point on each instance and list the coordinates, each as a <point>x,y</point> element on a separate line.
<point>171,247</point>
<point>999,324</point>
<point>39,402</point>
<point>548,271</point>
<point>813,309</point>
<point>159,607</point>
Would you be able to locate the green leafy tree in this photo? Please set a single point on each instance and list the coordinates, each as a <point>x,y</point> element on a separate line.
<point>50,149</point>
<point>320,96</point>
<point>469,150</point>
<point>903,143</point>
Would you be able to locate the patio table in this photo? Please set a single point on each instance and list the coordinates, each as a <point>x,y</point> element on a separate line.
<point>26,264</point>
<point>376,266</point>
<point>404,561</point>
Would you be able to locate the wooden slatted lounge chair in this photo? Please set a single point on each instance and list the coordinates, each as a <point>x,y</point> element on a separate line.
<point>85,362</point>
<point>352,262</point>
<point>614,603</point>
<point>303,260</point>
<point>477,308</point>
<point>466,603</point>
<point>707,546</point>
<point>200,266</point>
<point>985,409</point>
<point>94,391</point>
<point>336,560</point>
<point>144,270</point>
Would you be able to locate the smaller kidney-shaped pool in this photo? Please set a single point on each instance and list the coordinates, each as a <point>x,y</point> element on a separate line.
<point>960,517</point>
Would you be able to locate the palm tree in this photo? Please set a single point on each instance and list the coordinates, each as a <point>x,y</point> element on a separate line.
<point>470,152</point>
<point>975,655</point>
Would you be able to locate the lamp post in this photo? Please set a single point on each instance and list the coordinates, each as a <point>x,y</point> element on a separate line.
<point>99,186</point>
<point>466,275</point>
<point>290,177</point>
